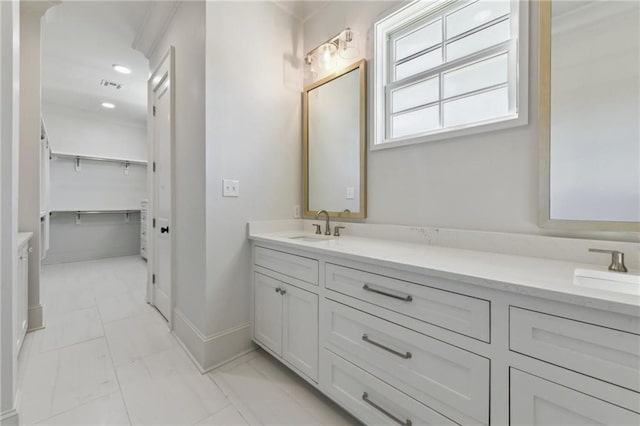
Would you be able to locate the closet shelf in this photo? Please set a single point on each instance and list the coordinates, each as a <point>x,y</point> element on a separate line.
<point>86,157</point>
<point>97,211</point>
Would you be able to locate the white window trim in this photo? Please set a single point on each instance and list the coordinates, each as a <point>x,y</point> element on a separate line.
<point>390,23</point>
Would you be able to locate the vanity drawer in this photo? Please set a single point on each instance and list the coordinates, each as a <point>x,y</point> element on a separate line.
<point>600,352</point>
<point>371,400</point>
<point>536,401</point>
<point>299,267</point>
<point>462,314</point>
<point>444,377</point>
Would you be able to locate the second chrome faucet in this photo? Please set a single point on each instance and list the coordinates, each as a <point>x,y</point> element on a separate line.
<point>327,229</point>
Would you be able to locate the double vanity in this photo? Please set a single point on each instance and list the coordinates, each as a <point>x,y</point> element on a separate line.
<point>400,332</point>
<point>415,326</point>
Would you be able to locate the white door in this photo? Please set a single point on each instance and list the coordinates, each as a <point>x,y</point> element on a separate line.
<point>267,321</point>
<point>300,335</point>
<point>162,113</point>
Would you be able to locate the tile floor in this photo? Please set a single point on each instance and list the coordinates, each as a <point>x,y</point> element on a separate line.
<point>108,358</point>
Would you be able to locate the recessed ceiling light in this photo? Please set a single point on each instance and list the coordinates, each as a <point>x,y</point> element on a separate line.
<point>122,69</point>
<point>108,105</point>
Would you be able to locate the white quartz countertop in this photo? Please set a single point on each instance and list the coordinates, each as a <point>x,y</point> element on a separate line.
<point>547,278</point>
<point>23,237</point>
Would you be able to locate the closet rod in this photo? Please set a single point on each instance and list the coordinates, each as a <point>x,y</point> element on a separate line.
<point>112,160</point>
<point>96,211</point>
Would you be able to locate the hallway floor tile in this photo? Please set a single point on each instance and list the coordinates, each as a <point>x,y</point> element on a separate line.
<point>106,357</point>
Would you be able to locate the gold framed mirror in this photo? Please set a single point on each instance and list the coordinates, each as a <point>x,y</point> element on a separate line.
<point>589,115</point>
<point>334,144</point>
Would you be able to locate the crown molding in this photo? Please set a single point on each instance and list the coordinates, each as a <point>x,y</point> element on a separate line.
<point>152,29</point>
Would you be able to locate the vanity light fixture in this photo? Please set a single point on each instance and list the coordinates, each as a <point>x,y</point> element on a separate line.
<point>324,55</point>
<point>310,68</point>
<point>108,105</point>
<point>121,69</point>
<point>348,44</point>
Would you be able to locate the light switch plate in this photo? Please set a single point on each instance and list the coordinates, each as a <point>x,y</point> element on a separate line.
<point>296,212</point>
<point>230,188</point>
<point>351,193</point>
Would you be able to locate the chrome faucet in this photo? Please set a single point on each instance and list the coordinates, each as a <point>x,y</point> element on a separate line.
<point>327,229</point>
<point>617,259</point>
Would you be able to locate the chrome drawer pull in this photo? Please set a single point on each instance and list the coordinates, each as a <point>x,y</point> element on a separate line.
<point>407,298</point>
<point>406,355</point>
<point>365,398</point>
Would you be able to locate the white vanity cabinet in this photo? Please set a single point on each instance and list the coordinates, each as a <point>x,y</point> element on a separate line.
<point>396,345</point>
<point>21,289</point>
<point>285,315</point>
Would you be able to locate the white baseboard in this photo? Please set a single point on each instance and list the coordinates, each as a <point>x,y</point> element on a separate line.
<point>9,418</point>
<point>35,317</point>
<point>210,352</point>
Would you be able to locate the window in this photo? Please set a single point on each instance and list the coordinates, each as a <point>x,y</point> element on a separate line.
<point>449,68</point>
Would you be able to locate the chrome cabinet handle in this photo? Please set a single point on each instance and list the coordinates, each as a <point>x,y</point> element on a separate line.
<point>405,355</point>
<point>283,291</point>
<point>407,298</point>
<point>365,398</point>
<point>278,289</point>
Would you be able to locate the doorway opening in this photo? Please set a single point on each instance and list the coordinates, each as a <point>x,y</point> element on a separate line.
<point>97,187</point>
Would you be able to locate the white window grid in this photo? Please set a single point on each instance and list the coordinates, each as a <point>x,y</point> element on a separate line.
<point>438,11</point>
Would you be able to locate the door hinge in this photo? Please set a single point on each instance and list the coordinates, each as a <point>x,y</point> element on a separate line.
<point>153,278</point>
<point>154,166</point>
<point>153,223</point>
<point>154,110</point>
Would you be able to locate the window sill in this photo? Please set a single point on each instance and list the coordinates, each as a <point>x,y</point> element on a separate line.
<point>450,133</point>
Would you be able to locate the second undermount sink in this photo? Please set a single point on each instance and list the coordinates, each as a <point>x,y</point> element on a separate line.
<point>310,238</point>
<point>618,282</point>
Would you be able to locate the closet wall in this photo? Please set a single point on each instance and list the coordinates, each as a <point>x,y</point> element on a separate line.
<point>94,206</point>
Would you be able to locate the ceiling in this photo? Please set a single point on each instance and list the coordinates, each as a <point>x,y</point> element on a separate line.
<point>301,9</point>
<point>81,40</point>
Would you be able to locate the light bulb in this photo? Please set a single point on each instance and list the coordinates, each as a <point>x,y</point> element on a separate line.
<point>327,55</point>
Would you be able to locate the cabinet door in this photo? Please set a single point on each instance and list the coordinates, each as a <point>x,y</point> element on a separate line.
<point>22,295</point>
<point>535,401</point>
<point>300,340</point>
<point>267,308</point>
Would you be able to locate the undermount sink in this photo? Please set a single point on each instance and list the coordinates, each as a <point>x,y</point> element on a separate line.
<point>310,239</point>
<point>619,282</point>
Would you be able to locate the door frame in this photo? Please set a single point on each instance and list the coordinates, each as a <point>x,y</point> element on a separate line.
<point>167,61</point>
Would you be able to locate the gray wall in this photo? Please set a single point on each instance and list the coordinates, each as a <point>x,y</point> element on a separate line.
<point>254,84</point>
<point>482,182</point>
<point>96,237</point>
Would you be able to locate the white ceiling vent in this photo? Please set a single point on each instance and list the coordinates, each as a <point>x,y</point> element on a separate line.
<point>107,83</point>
